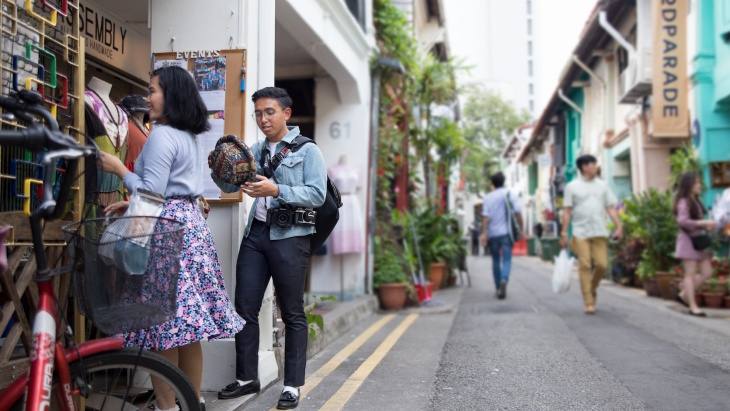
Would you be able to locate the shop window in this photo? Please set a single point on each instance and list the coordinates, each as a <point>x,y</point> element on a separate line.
<point>529,7</point>
<point>357,9</point>
<point>529,27</point>
<point>529,48</point>
<point>529,68</point>
<point>532,89</point>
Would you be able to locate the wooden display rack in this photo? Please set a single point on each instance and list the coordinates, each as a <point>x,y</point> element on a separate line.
<point>38,45</point>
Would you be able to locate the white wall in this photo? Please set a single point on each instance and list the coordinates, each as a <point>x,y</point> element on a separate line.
<point>240,24</point>
<point>353,123</point>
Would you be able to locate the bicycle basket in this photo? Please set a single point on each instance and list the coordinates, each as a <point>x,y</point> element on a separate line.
<point>126,270</point>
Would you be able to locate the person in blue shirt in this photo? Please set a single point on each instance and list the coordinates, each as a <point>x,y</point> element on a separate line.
<point>497,231</point>
<point>273,248</point>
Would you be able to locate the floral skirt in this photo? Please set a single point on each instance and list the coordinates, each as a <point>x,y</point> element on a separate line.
<point>204,310</point>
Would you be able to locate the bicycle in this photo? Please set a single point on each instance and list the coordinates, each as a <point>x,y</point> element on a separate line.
<point>103,372</point>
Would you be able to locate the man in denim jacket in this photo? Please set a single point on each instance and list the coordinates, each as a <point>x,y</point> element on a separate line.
<point>272,251</point>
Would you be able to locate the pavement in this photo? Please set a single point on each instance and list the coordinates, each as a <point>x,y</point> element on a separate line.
<point>536,350</point>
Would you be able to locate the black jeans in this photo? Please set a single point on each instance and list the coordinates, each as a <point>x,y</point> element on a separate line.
<point>260,259</point>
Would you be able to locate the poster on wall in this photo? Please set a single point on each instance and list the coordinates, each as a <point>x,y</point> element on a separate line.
<point>207,141</point>
<point>210,76</point>
<point>183,64</point>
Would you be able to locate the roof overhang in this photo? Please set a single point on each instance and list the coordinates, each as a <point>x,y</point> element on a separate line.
<point>590,49</point>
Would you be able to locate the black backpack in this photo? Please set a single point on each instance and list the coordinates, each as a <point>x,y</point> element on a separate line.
<point>328,213</point>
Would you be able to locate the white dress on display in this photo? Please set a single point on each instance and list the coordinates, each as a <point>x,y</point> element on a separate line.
<point>348,234</point>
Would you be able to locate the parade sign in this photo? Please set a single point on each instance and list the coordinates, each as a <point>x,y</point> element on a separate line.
<point>670,87</point>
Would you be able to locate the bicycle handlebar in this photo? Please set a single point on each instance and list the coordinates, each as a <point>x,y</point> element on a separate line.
<point>36,138</point>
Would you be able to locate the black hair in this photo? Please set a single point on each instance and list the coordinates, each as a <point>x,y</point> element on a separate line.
<point>184,108</point>
<point>584,160</point>
<point>278,94</point>
<point>497,179</point>
<point>686,183</point>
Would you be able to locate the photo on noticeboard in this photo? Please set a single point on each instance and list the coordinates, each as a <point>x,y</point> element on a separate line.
<point>210,74</point>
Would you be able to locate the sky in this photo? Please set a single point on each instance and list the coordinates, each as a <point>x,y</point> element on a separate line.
<point>560,23</point>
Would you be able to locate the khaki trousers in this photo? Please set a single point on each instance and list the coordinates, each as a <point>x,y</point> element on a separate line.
<point>592,254</point>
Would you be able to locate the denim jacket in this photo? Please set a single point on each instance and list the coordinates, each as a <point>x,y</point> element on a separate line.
<point>302,181</point>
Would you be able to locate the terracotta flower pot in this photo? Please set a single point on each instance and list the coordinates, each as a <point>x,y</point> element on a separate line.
<point>713,300</point>
<point>392,296</point>
<point>699,299</point>
<point>436,274</point>
<point>651,287</point>
<point>663,280</point>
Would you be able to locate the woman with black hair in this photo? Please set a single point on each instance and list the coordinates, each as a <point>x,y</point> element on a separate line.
<point>171,164</point>
<point>690,213</point>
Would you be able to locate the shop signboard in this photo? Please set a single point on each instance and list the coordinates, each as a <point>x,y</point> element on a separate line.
<point>670,82</point>
<point>113,41</point>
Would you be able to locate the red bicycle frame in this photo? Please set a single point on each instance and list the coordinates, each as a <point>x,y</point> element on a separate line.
<point>44,353</point>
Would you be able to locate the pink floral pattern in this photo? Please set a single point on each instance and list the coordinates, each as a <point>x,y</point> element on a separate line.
<point>204,310</point>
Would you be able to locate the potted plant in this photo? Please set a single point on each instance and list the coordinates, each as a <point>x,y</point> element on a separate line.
<point>439,242</point>
<point>650,218</point>
<point>727,297</point>
<point>714,298</point>
<point>389,276</point>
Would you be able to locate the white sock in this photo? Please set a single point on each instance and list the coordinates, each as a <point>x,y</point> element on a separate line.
<point>202,400</point>
<point>293,390</point>
<point>242,383</point>
<point>175,408</point>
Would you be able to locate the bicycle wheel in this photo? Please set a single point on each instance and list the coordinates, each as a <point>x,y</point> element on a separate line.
<point>122,380</point>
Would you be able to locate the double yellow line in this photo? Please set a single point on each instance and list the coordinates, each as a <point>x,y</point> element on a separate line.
<point>348,389</point>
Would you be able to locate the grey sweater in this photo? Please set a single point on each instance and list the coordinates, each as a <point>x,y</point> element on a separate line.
<point>170,163</point>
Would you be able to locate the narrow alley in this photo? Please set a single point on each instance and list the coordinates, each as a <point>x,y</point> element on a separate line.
<point>534,350</point>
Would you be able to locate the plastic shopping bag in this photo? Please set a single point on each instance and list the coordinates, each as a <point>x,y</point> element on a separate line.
<point>561,272</point>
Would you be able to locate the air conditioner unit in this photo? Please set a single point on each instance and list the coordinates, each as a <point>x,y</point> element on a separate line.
<point>635,81</point>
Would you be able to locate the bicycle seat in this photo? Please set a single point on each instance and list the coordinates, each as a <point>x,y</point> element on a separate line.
<point>4,233</point>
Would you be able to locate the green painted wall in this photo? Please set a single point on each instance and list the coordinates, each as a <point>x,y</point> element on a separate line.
<point>711,78</point>
<point>573,133</point>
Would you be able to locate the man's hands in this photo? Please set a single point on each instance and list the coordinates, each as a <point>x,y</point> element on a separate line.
<point>118,209</point>
<point>618,234</point>
<point>483,240</point>
<point>564,240</point>
<point>264,188</point>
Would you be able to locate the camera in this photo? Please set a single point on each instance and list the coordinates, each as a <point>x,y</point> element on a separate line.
<point>305,216</point>
<point>285,217</point>
<point>282,217</point>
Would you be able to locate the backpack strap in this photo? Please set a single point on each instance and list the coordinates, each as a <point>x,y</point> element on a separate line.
<point>296,145</point>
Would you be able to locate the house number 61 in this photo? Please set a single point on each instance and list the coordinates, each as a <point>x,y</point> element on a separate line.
<point>337,130</point>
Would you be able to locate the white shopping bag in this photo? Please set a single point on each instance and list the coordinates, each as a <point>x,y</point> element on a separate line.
<point>561,272</point>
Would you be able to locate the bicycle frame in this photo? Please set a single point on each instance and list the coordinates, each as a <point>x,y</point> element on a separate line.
<point>47,351</point>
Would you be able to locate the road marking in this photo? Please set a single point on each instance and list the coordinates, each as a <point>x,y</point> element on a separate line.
<point>317,377</point>
<point>348,389</point>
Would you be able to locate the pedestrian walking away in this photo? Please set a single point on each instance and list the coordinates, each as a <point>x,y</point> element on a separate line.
<point>690,213</point>
<point>168,164</point>
<point>276,244</point>
<point>500,209</point>
<point>474,230</point>
<point>586,202</point>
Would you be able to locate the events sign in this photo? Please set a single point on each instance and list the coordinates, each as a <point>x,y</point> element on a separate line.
<point>670,111</point>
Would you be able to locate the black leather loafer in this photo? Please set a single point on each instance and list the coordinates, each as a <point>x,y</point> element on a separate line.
<point>287,400</point>
<point>235,390</point>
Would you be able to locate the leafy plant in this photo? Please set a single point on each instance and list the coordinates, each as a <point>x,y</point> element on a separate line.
<point>650,218</point>
<point>712,284</point>
<point>389,267</point>
<point>683,160</point>
<point>315,321</point>
<point>438,236</point>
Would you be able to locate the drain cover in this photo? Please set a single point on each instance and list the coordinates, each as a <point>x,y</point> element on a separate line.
<point>503,308</point>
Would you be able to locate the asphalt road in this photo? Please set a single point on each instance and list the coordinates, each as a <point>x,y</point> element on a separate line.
<point>533,351</point>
